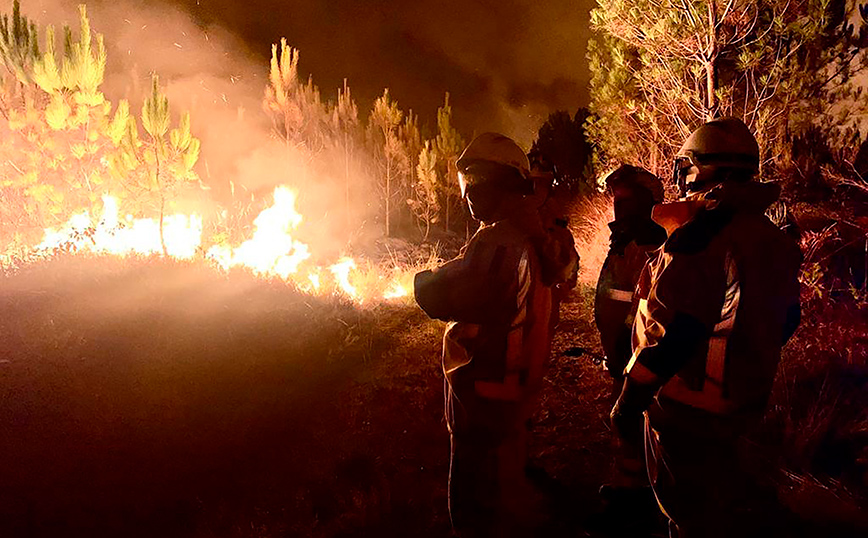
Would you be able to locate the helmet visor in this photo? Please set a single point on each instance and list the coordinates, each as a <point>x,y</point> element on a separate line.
<point>492,176</point>
<point>683,168</point>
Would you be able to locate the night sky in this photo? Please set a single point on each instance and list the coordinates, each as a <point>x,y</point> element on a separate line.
<point>501,60</point>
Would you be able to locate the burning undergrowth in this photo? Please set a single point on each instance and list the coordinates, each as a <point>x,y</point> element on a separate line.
<point>270,252</point>
<point>303,189</point>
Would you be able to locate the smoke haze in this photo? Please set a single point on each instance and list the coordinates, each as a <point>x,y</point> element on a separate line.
<point>505,64</point>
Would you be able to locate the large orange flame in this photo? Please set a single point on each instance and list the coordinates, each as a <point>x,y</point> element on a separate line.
<point>272,251</point>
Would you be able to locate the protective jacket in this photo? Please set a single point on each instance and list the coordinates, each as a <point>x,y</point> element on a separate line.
<point>499,332</point>
<point>715,305</point>
<point>614,304</point>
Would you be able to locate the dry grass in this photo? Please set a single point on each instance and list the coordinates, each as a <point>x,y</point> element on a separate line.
<point>815,435</point>
<point>589,219</point>
<point>178,400</point>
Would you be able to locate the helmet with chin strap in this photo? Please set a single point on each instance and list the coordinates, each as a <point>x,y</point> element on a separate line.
<point>720,150</point>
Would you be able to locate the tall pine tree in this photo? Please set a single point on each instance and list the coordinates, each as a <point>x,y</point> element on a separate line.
<point>384,126</point>
<point>659,70</point>
<point>448,145</point>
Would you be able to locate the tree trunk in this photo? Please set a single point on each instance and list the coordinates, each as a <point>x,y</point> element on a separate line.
<point>162,211</point>
<point>446,206</point>
<point>711,104</point>
<point>347,179</point>
<point>388,194</point>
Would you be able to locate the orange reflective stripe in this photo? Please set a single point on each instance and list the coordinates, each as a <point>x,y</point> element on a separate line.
<point>639,373</point>
<point>620,295</point>
<point>712,397</point>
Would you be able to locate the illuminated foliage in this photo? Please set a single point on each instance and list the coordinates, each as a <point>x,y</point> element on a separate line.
<point>65,145</point>
<point>19,45</point>
<point>424,202</point>
<point>661,68</point>
<point>447,146</point>
<point>296,108</point>
<point>388,152</point>
<point>345,126</point>
<point>155,168</point>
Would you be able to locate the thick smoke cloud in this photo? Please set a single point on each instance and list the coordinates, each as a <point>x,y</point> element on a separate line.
<point>507,63</point>
<point>208,71</point>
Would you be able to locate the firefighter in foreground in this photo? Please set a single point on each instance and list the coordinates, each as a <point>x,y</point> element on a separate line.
<point>499,308</point>
<point>716,304</point>
<point>634,236</point>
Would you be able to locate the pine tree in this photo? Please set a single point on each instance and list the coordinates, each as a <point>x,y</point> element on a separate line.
<point>280,95</point>
<point>561,141</point>
<point>297,111</point>
<point>60,132</point>
<point>424,203</point>
<point>157,167</point>
<point>345,123</point>
<point>19,50</point>
<point>448,145</point>
<point>659,70</point>
<point>383,134</point>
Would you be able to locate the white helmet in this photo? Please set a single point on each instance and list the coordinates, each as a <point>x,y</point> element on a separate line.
<point>492,169</point>
<point>495,148</point>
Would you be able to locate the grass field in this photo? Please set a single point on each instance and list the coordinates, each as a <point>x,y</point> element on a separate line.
<point>160,399</point>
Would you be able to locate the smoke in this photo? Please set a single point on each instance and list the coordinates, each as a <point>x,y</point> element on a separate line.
<point>529,54</point>
<point>506,64</point>
<point>208,71</point>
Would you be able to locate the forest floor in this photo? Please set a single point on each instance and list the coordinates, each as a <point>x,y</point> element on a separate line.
<point>156,399</point>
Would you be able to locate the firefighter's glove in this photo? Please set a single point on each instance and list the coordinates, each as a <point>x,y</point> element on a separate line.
<point>627,415</point>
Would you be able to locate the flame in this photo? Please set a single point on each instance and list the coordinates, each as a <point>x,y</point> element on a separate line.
<point>314,281</point>
<point>396,291</point>
<point>182,234</point>
<point>341,271</point>
<point>272,251</point>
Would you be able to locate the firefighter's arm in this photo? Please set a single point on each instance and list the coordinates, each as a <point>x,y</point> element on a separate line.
<point>475,287</point>
<point>684,309</point>
<point>651,368</point>
<point>626,415</point>
<point>688,297</point>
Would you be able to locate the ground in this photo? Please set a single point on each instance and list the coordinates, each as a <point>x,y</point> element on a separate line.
<point>158,399</point>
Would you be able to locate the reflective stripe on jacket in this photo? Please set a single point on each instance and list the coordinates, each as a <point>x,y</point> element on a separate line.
<point>614,304</point>
<point>738,277</point>
<point>498,339</point>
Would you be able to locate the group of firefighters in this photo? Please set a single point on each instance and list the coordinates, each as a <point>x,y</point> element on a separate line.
<point>694,302</point>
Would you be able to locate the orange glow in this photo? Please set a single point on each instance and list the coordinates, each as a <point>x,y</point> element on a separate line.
<point>272,251</point>
<point>111,235</point>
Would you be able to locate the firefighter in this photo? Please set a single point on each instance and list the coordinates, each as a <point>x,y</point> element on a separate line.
<point>716,304</point>
<point>560,260</point>
<point>634,235</point>
<point>497,341</point>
